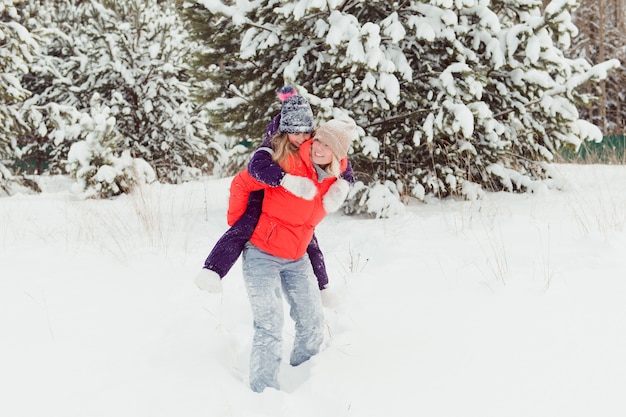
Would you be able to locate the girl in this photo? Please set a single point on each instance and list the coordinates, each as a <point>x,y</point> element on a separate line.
<point>275,258</point>
<point>287,131</point>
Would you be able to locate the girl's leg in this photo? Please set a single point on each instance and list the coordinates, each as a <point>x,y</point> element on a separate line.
<point>317,262</point>
<point>229,246</point>
<point>262,280</point>
<point>304,300</point>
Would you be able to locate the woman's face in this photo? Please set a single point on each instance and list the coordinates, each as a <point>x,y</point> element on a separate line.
<point>297,139</point>
<point>321,153</point>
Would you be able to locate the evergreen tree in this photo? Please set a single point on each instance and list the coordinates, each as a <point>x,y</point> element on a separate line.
<point>55,103</point>
<point>16,48</point>
<point>100,171</point>
<point>132,54</point>
<point>239,110</point>
<point>453,97</point>
<point>602,35</point>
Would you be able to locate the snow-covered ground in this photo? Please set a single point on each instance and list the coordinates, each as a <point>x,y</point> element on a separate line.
<point>514,305</point>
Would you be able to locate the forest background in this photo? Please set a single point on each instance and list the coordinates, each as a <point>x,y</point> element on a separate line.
<point>452,97</point>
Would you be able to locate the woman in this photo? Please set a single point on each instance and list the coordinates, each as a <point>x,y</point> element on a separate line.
<point>287,131</point>
<point>275,258</point>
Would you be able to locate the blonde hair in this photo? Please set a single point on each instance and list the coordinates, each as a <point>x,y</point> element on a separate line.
<point>283,148</point>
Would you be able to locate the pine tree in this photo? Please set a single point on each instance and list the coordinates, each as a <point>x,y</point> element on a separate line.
<point>100,171</point>
<point>132,54</point>
<point>239,110</point>
<point>453,97</point>
<point>54,104</point>
<point>603,35</point>
<point>16,48</point>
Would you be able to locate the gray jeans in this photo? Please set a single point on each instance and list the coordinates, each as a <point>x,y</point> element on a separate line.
<point>266,277</point>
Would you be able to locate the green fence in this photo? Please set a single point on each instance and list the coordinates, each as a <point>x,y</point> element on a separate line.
<point>610,151</point>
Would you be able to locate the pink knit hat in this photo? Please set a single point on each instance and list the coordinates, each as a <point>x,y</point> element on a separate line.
<point>337,134</point>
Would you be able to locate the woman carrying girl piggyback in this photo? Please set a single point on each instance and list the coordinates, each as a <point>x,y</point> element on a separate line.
<point>286,132</point>
<point>275,260</point>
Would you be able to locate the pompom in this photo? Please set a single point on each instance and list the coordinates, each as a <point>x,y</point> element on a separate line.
<point>286,92</point>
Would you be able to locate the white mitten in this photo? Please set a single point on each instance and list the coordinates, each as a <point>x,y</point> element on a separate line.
<point>329,298</point>
<point>208,280</point>
<point>302,187</point>
<point>336,195</point>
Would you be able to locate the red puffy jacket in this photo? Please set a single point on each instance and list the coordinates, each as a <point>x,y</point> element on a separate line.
<point>287,222</point>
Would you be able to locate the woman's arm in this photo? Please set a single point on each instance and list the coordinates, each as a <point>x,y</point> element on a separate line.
<point>240,188</point>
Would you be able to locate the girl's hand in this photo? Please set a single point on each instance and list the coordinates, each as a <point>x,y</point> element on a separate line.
<point>336,195</point>
<point>302,187</point>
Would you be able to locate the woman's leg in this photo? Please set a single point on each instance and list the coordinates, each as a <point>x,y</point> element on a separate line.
<point>262,280</point>
<point>303,296</point>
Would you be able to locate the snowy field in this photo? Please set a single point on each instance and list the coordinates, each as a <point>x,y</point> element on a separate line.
<point>510,306</point>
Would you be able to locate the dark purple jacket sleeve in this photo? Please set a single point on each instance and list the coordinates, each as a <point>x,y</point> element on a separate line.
<point>271,130</point>
<point>348,174</point>
<point>261,166</point>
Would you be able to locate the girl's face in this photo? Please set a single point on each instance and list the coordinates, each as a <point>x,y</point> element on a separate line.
<point>321,153</point>
<point>297,139</point>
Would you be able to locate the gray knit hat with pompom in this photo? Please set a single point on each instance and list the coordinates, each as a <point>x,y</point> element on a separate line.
<point>296,116</point>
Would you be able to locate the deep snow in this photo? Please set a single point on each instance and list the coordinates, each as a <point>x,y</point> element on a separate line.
<point>513,305</point>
